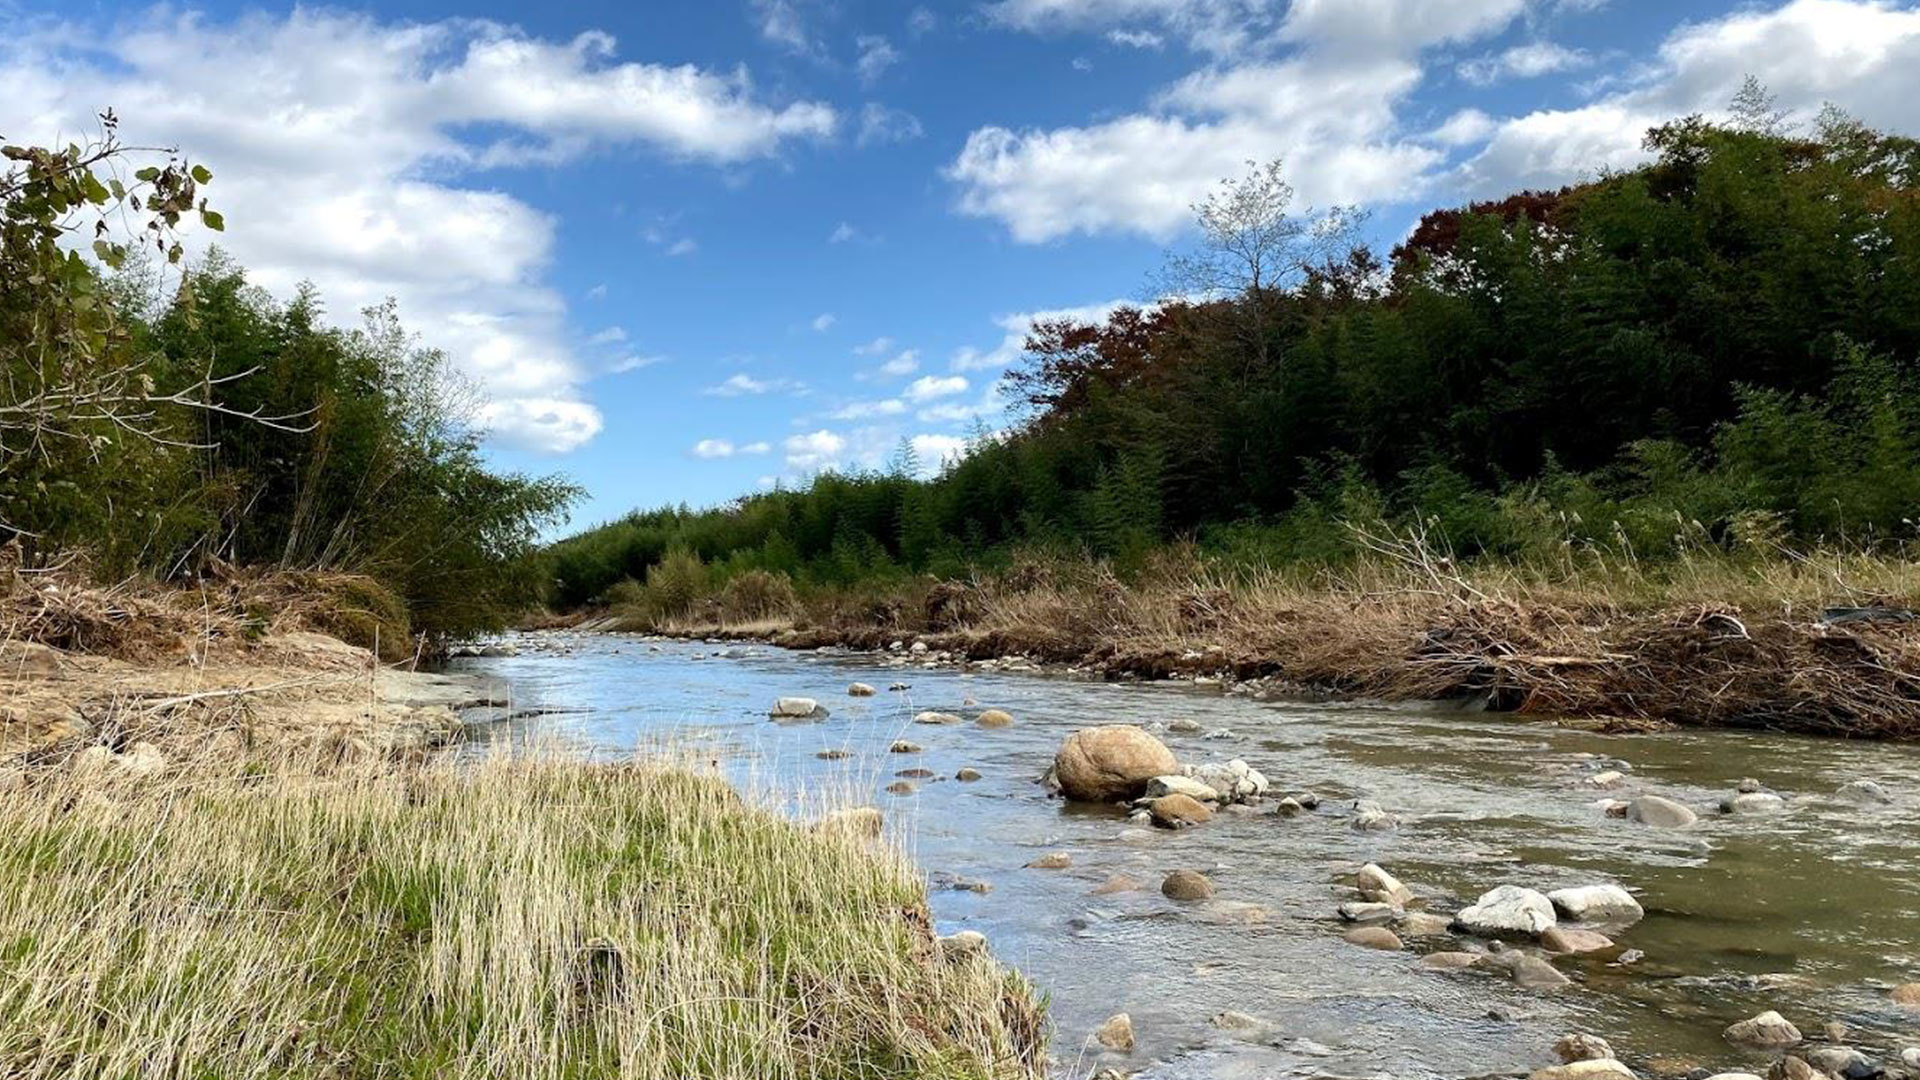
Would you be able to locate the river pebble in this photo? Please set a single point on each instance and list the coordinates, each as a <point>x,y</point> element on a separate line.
<point>1374,937</point>
<point>1186,885</point>
<point>1507,911</point>
<point>1608,904</point>
<point>1660,812</point>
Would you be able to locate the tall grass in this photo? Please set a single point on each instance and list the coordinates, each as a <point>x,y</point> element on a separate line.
<point>536,917</point>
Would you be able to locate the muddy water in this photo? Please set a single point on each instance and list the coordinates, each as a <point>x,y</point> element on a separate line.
<point>1813,911</point>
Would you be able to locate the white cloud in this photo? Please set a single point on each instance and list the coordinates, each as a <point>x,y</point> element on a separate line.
<point>363,133</point>
<point>780,22</point>
<point>875,347</point>
<point>880,124</point>
<point>609,336</point>
<point>877,54</point>
<point>843,233</point>
<point>744,385</point>
<point>814,451</point>
<point>823,322</point>
<point>716,449</point>
<point>937,451</point>
<point>635,363</point>
<point>1464,128</point>
<point>1136,39</point>
<point>869,410</point>
<point>1863,55</point>
<point>921,22</point>
<point>682,246</point>
<point>1331,119</point>
<point>900,366</point>
<point>597,293</point>
<point>1529,61</point>
<point>931,387</point>
<point>1218,26</point>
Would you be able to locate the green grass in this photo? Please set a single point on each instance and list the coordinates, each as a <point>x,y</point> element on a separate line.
<point>534,918</point>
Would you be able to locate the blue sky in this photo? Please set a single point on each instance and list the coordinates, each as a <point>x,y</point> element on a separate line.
<point>688,249</point>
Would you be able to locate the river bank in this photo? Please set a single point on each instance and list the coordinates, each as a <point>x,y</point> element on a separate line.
<point>237,845</point>
<point>1826,646</point>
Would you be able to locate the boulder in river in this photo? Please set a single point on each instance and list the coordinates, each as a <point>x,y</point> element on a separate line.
<point>1369,817</point>
<point>796,708</point>
<point>1525,969</point>
<point>1608,904</point>
<point>901,787</point>
<point>1110,763</point>
<point>860,689</point>
<point>1374,937</point>
<point>1574,941</point>
<point>1752,802</point>
<point>1186,885</point>
<point>1907,995</point>
<point>1864,793</point>
<point>1661,813</point>
<point>1422,924</point>
<point>1184,726</point>
<point>1053,860</point>
<point>902,746</point>
<point>1582,1047</point>
<point>1116,1033</point>
<point>1180,785</point>
<point>967,775</point>
<point>1178,812</point>
<point>1768,1031</point>
<point>1380,887</point>
<point>994,718</point>
<point>1367,912</point>
<point>1449,961</point>
<point>1120,883</point>
<point>931,717</point>
<point>1508,911</point>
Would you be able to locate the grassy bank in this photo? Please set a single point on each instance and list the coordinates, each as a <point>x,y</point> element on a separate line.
<point>1709,640</point>
<point>532,918</point>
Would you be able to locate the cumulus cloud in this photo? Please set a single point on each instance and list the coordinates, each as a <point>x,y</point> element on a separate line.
<point>340,145</point>
<point>901,366</point>
<point>823,322</point>
<point>814,451</point>
<point>1863,55</point>
<point>875,347</point>
<point>869,410</point>
<point>930,387</point>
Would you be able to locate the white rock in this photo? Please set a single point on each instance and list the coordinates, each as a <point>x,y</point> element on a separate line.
<point>1598,903</point>
<point>931,717</point>
<point>1181,785</point>
<point>1380,887</point>
<point>1660,812</point>
<point>1768,1031</point>
<point>789,708</point>
<point>1753,802</point>
<point>962,945</point>
<point>860,689</point>
<point>1506,911</point>
<point>1865,792</point>
<point>1600,1069</point>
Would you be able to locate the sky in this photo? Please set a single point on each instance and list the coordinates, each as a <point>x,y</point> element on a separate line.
<point>691,250</point>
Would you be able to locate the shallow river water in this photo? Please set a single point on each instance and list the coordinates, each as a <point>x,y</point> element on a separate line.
<point>1814,911</point>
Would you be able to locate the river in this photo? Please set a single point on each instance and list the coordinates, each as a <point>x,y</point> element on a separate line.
<point>1813,911</point>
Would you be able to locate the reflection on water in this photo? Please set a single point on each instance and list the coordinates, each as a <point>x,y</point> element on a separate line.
<point>1813,911</point>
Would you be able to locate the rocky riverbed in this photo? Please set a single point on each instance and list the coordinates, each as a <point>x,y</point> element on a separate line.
<point>1369,891</point>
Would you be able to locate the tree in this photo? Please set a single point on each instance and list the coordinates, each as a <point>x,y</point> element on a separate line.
<point>1251,245</point>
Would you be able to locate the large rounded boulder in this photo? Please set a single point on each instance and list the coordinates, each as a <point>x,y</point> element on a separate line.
<point>1111,763</point>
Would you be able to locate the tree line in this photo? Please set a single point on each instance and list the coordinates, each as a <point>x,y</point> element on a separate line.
<point>161,416</point>
<point>1718,349</point>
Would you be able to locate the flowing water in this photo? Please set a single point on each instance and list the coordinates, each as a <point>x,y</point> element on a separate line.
<point>1814,911</point>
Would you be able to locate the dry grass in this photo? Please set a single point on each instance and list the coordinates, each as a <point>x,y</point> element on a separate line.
<point>1711,640</point>
<point>518,918</point>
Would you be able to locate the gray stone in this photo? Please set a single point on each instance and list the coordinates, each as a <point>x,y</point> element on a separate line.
<point>1369,817</point>
<point>1374,937</point>
<point>1377,885</point>
<point>1768,1031</point>
<point>860,689</point>
<point>1582,1047</point>
<point>1608,904</point>
<point>1508,911</point>
<point>1367,912</point>
<point>963,945</point>
<point>931,717</point>
<point>1661,813</point>
<point>967,775</point>
<point>1186,885</point>
<point>1600,1069</point>
<point>1753,802</point>
<point>1864,792</point>
<point>795,708</point>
